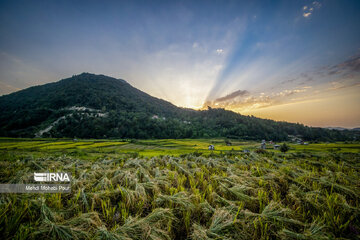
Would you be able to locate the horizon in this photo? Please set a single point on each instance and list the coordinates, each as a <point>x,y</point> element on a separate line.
<point>280,60</point>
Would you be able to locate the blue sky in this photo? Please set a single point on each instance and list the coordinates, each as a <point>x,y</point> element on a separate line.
<point>282,60</point>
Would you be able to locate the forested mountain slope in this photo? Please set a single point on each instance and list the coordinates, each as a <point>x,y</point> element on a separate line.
<point>97,106</point>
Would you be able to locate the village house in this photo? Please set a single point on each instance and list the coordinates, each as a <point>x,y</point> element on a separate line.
<point>263,144</point>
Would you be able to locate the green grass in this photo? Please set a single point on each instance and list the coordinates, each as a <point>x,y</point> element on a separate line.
<point>177,189</point>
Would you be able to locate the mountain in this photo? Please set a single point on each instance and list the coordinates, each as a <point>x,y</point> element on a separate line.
<point>343,129</point>
<point>337,128</point>
<point>98,106</point>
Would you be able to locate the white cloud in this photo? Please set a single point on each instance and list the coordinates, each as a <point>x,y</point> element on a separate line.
<point>219,51</point>
<point>316,4</point>
<point>308,10</point>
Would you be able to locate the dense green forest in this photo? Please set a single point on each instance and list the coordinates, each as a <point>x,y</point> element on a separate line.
<point>97,106</point>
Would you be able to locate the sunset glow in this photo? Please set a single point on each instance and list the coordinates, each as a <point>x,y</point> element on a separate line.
<point>296,61</point>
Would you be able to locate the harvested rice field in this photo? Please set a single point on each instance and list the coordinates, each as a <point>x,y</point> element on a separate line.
<point>178,189</point>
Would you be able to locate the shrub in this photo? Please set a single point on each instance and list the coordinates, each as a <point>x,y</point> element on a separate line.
<point>284,148</point>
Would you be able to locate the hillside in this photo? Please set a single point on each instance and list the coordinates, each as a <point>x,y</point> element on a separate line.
<point>97,106</point>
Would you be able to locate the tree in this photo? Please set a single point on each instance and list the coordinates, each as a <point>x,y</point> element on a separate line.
<point>284,148</point>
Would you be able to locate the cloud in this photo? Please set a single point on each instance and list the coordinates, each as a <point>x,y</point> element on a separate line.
<point>289,81</point>
<point>298,79</point>
<point>243,100</point>
<point>232,95</point>
<point>284,89</point>
<point>316,4</point>
<point>219,51</point>
<point>341,85</point>
<point>308,10</point>
<point>346,68</point>
<point>352,64</point>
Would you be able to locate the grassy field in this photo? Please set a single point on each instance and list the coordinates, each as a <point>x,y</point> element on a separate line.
<point>178,189</point>
<point>149,148</point>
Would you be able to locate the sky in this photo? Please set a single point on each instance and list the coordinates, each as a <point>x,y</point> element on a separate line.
<point>296,61</point>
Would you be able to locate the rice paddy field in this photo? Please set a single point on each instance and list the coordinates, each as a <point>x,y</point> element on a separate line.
<point>178,189</point>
